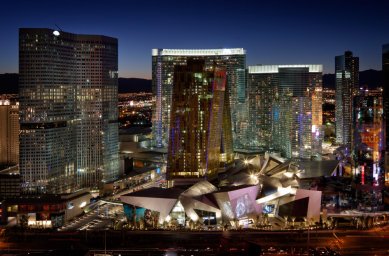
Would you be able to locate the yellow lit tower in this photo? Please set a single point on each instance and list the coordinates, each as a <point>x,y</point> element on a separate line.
<point>196,124</point>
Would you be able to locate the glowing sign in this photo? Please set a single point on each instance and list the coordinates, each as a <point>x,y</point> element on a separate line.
<point>376,170</point>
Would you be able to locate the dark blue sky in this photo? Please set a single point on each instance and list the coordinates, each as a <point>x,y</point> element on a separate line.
<point>272,32</point>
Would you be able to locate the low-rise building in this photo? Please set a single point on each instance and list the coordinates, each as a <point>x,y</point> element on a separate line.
<point>45,211</point>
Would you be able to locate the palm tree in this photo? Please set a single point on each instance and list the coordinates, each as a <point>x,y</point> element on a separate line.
<point>258,220</point>
<point>266,219</point>
<point>236,223</point>
<point>293,219</point>
<point>286,221</point>
<point>23,221</point>
<point>305,221</point>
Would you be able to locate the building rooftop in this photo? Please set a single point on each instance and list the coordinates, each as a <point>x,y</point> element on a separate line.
<point>172,193</point>
<point>47,198</point>
<point>198,52</point>
<point>232,188</point>
<point>313,169</point>
<point>267,69</point>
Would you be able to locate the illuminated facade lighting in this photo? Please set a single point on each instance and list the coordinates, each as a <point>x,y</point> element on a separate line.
<point>196,121</point>
<point>285,109</point>
<point>163,63</point>
<point>347,85</point>
<point>198,52</point>
<point>68,105</point>
<point>385,71</point>
<point>9,132</point>
<point>368,133</point>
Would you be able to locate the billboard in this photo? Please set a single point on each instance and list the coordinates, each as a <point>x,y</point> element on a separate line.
<point>243,205</point>
<point>136,214</point>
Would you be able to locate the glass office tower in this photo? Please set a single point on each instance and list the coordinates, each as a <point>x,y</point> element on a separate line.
<point>163,62</point>
<point>286,108</point>
<point>347,86</point>
<point>262,89</point>
<point>68,108</point>
<point>195,140</point>
<point>196,121</point>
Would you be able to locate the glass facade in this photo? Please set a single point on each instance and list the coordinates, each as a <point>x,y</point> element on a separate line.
<point>163,63</point>
<point>347,86</point>
<point>196,121</point>
<point>68,108</point>
<point>262,91</point>
<point>285,109</point>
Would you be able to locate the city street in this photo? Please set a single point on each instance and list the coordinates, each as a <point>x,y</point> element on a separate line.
<point>345,242</point>
<point>101,217</point>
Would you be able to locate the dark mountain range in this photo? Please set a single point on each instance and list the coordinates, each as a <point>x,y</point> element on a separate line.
<point>134,85</point>
<point>371,78</point>
<point>9,84</point>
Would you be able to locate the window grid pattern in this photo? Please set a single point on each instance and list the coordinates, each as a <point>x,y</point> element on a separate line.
<point>68,108</point>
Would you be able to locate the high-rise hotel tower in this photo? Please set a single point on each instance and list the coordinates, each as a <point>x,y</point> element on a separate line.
<point>347,86</point>
<point>68,105</point>
<point>163,63</point>
<point>286,108</point>
<point>196,141</point>
<point>9,132</point>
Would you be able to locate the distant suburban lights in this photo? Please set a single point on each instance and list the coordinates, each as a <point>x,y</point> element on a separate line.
<point>56,33</point>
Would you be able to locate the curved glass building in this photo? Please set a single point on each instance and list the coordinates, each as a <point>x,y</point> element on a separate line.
<point>68,110</point>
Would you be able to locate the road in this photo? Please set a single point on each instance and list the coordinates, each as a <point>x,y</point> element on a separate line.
<point>104,213</point>
<point>101,217</point>
<point>370,242</point>
<point>347,242</point>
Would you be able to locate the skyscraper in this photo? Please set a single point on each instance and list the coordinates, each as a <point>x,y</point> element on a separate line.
<point>262,89</point>
<point>68,106</point>
<point>368,139</point>
<point>163,62</point>
<point>286,108</point>
<point>196,121</point>
<point>385,71</point>
<point>347,85</point>
<point>9,132</point>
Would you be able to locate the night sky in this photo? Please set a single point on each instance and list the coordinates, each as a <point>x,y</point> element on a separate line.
<point>272,32</point>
